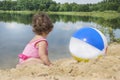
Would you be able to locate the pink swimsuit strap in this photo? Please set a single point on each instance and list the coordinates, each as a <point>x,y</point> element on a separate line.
<point>37,41</point>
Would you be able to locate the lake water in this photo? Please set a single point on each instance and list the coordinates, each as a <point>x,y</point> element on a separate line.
<point>15,33</point>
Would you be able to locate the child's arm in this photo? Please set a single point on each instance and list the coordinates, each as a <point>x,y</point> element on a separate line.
<point>43,53</point>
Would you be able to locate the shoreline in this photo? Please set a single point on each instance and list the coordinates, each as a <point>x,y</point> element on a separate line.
<point>105,68</point>
<point>106,14</point>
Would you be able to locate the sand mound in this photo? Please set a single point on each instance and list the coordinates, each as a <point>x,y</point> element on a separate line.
<point>105,68</point>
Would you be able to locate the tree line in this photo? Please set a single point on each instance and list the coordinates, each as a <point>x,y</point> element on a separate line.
<point>49,5</point>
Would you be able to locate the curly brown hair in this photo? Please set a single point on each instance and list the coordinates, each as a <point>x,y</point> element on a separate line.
<point>41,23</point>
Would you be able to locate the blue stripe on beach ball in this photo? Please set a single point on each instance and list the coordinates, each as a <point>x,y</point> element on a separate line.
<point>90,36</point>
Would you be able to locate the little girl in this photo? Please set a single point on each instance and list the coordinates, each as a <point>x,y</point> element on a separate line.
<point>36,49</point>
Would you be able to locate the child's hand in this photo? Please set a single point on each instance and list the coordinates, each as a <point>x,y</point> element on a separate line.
<point>51,64</point>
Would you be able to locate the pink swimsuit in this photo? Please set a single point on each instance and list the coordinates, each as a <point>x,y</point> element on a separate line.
<point>30,51</point>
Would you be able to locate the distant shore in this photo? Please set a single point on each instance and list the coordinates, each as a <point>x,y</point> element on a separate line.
<point>105,14</point>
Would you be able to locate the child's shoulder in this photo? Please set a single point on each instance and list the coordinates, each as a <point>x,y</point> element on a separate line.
<point>39,42</point>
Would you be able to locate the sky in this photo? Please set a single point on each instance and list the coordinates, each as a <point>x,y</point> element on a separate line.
<point>78,1</point>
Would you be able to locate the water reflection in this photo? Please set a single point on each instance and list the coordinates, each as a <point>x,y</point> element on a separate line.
<point>26,19</point>
<point>15,33</point>
<point>13,37</point>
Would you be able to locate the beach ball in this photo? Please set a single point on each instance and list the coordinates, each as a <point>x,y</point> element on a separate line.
<point>87,43</point>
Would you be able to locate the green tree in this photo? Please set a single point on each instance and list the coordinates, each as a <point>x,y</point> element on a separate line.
<point>65,7</point>
<point>74,6</point>
<point>118,9</point>
<point>84,8</point>
<point>53,7</point>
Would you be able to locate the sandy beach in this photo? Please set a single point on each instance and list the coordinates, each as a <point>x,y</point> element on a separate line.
<point>105,68</point>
